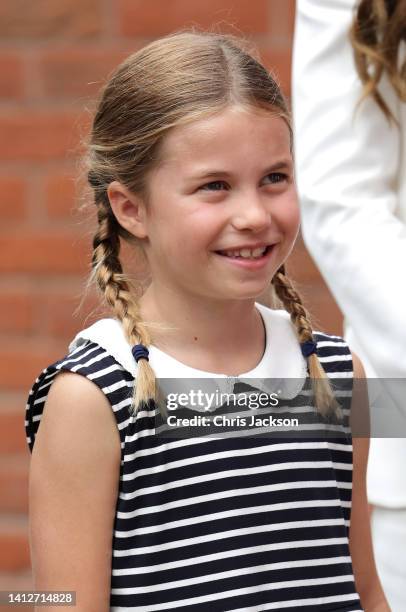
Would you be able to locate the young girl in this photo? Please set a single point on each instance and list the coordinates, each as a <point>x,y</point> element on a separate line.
<point>190,161</point>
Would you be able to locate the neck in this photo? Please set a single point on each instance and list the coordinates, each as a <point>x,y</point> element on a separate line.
<point>204,332</point>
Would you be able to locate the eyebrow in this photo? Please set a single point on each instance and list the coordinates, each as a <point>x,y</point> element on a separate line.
<point>208,173</point>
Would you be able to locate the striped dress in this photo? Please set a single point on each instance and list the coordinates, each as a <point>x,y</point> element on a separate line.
<point>229,523</point>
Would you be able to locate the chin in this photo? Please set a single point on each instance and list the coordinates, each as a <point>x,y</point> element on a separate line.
<point>253,293</point>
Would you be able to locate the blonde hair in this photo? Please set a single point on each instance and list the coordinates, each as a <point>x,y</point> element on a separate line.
<point>376,32</point>
<point>182,77</point>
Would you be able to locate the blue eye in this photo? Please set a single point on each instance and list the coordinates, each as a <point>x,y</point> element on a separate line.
<point>204,187</point>
<point>278,177</point>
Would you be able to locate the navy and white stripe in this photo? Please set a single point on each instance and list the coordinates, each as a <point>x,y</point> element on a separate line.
<point>225,524</point>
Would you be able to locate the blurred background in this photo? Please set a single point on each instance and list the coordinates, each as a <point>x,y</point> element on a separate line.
<point>54,56</point>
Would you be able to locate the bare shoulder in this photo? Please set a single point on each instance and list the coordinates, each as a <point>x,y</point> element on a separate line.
<point>73,487</point>
<point>77,417</point>
<point>75,400</point>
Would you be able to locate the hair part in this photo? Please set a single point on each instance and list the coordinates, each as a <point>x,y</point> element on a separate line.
<point>185,76</point>
<point>377,30</point>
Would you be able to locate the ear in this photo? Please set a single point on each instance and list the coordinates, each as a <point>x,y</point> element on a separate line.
<point>129,209</point>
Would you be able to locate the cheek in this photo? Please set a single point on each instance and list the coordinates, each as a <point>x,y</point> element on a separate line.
<point>201,226</point>
<point>289,216</point>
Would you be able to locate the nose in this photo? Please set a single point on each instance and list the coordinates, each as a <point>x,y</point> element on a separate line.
<point>251,212</point>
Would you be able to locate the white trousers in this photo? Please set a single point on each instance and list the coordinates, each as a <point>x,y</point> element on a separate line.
<point>389,540</point>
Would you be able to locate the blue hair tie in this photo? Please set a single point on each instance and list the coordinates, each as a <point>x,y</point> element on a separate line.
<point>308,348</point>
<point>140,352</point>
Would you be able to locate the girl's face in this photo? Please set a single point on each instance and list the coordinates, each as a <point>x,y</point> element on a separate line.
<point>225,184</point>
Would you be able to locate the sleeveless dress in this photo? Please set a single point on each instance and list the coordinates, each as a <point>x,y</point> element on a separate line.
<point>233,523</point>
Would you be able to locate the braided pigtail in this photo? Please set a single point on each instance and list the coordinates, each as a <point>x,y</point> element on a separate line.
<point>325,401</point>
<point>117,291</point>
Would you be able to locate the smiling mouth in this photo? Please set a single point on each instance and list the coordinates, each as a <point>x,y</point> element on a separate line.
<point>248,257</point>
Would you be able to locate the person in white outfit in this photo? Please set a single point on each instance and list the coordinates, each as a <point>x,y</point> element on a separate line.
<point>348,95</point>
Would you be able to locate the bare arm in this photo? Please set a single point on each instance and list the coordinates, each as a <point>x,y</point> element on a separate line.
<point>366,577</point>
<point>73,488</point>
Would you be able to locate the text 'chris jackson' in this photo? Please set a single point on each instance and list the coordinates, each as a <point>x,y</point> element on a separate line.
<point>224,421</point>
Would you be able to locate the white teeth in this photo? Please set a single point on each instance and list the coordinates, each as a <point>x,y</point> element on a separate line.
<point>259,251</point>
<point>247,253</point>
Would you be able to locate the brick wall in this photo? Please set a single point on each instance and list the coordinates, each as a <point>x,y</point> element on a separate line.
<point>53,58</point>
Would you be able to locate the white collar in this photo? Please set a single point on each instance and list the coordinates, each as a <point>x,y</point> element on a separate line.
<point>281,360</point>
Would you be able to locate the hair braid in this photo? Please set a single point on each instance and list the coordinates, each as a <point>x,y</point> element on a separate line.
<point>323,393</point>
<point>116,288</point>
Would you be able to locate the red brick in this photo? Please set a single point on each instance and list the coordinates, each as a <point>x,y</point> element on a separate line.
<point>40,135</point>
<point>15,608</point>
<point>14,547</point>
<point>16,581</point>
<point>43,253</point>
<point>278,62</point>
<point>14,482</point>
<point>11,77</point>
<point>72,73</point>
<point>291,5</point>
<point>49,20</point>
<point>281,17</point>
<point>140,18</point>
<point>16,312</point>
<point>13,191</point>
<point>20,366</point>
<point>12,434</point>
<point>60,196</point>
<point>23,313</point>
<point>58,314</point>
